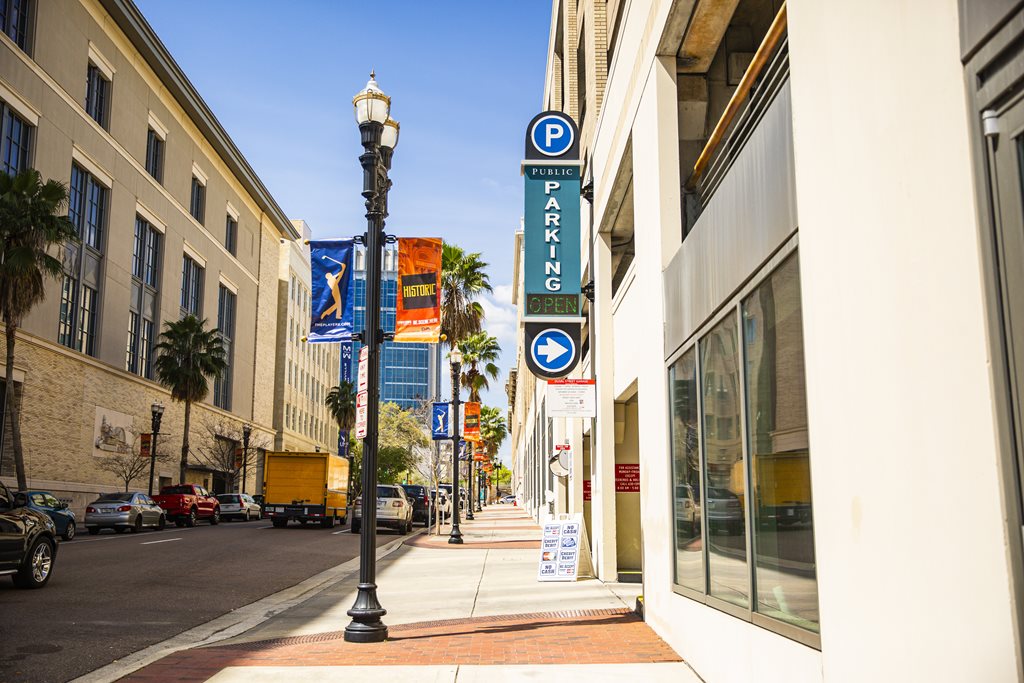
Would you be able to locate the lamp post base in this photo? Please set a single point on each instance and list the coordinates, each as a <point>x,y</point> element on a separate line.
<point>455,538</point>
<point>366,626</point>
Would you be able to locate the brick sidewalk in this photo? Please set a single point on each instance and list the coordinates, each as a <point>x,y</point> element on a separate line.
<point>608,636</point>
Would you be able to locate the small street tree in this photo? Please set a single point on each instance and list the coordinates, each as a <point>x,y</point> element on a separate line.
<point>220,450</point>
<point>132,464</point>
<point>188,356</point>
<point>30,227</point>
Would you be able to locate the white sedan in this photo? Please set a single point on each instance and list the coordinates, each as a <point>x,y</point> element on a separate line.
<point>238,506</point>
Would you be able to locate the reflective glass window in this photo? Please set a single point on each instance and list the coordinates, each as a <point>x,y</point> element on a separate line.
<point>685,430</point>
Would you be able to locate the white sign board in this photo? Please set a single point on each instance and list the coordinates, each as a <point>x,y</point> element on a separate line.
<point>571,398</point>
<point>560,549</point>
<point>364,366</point>
<point>361,403</point>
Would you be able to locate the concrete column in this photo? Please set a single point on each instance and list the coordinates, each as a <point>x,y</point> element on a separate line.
<point>658,221</point>
<point>602,508</point>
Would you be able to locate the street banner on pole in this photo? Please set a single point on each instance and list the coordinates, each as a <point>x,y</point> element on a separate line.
<point>471,421</point>
<point>145,442</point>
<point>332,298</point>
<point>418,308</point>
<point>441,421</point>
<point>571,398</point>
<point>346,362</point>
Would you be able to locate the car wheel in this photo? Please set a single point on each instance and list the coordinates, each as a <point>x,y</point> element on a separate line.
<point>38,565</point>
<point>69,532</point>
<point>191,520</point>
<point>180,523</point>
<point>280,523</point>
<point>161,523</point>
<point>215,520</point>
<point>137,527</point>
<point>247,517</point>
<point>327,523</point>
<point>92,530</point>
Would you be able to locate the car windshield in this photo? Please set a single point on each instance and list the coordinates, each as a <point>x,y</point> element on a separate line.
<point>387,492</point>
<point>172,490</point>
<point>228,498</point>
<point>115,498</point>
<point>414,490</point>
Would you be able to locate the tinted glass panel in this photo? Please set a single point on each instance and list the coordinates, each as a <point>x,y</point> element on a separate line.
<point>724,479</point>
<point>689,563</point>
<point>780,456</point>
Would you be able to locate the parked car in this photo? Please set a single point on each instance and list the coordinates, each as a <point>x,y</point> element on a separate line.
<point>687,508</point>
<point>393,509</point>
<point>725,511</point>
<point>186,504</point>
<point>238,506</point>
<point>507,500</point>
<point>447,488</point>
<point>261,501</point>
<point>28,541</point>
<point>123,511</point>
<point>420,499</point>
<point>443,503</point>
<point>63,518</point>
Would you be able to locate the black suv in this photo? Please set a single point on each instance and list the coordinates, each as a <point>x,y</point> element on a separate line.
<point>28,541</point>
<point>420,500</point>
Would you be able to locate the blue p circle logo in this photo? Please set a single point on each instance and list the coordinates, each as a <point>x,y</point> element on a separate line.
<point>552,135</point>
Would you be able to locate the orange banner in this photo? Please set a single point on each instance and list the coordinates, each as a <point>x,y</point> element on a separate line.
<point>418,309</point>
<point>471,421</point>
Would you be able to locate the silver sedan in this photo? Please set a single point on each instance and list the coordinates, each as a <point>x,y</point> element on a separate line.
<point>123,511</point>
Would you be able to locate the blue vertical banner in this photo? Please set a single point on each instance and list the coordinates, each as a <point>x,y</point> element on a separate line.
<point>346,362</point>
<point>441,421</point>
<point>332,298</point>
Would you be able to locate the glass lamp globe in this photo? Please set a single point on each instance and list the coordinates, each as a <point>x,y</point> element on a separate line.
<point>455,355</point>
<point>389,136</point>
<point>371,104</point>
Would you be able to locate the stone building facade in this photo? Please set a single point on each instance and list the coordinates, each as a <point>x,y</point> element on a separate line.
<point>172,220</point>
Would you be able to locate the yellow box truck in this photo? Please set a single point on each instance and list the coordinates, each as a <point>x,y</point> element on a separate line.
<point>305,487</point>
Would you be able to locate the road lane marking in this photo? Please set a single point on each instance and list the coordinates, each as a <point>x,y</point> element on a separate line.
<point>165,540</point>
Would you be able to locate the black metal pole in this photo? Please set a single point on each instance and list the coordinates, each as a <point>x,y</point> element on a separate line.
<point>456,534</point>
<point>366,626</point>
<point>469,481</point>
<point>155,424</point>
<point>245,456</point>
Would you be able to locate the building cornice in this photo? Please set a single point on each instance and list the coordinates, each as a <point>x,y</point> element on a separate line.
<point>130,20</point>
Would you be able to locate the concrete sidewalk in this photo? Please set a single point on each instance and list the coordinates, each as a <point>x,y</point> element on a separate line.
<point>472,612</point>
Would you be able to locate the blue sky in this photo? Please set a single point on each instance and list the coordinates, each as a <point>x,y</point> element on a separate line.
<point>465,78</point>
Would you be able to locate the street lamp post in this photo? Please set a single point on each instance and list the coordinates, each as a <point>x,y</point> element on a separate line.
<point>470,467</point>
<point>246,431</point>
<point>379,136</point>
<point>157,413</point>
<point>456,358</point>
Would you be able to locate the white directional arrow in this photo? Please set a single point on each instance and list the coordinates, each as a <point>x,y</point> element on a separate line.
<point>551,350</point>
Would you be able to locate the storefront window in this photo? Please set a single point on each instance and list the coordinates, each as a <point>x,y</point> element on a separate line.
<point>725,476</point>
<point>689,562</point>
<point>783,528</point>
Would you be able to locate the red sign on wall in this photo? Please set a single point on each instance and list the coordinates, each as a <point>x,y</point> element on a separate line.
<point>627,478</point>
<point>586,490</point>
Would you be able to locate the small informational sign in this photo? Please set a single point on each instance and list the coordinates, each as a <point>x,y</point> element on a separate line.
<point>627,478</point>
<point>560,549</point>
<point>364,369</point>
<point>441,421</point>
<point>346,362</point>
<point>572,398</point>
<point>586,490</point>
<point>361,414</point>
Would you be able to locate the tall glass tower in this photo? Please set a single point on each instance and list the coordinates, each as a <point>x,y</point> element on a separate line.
<point>409,372</point>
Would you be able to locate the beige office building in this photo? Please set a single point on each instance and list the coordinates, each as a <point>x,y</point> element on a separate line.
<point>305,372</point>
<point>805,245</point>
<point>172,221</point>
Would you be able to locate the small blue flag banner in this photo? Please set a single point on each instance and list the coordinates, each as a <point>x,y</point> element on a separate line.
<point>441,421</point>
<point>346,361</point>
<point>332,298</point>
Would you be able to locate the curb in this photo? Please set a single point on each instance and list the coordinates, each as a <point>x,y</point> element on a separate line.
<point>237,621</point>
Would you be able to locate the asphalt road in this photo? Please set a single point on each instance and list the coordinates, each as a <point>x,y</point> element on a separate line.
<point>114,594</point>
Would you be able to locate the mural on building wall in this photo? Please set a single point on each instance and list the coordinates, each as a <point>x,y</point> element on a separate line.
<point>112,433</point>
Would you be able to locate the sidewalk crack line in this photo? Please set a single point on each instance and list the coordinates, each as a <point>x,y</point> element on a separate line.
<point>479,583</point>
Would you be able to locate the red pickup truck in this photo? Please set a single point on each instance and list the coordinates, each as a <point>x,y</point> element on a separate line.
<point>185,504</point>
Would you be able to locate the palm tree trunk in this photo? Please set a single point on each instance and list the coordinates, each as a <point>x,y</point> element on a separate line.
<point>12,408</point>
<point>184,443</point>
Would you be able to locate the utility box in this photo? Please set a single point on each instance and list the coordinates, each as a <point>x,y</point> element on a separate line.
<point>305,487</point>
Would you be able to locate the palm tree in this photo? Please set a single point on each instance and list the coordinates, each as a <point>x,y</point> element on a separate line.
<point>341,402</point>
<point>462,280</point>
<point>479,353</point>
<point>189,354</point>
<point>493,430</point>
<point>29,228</point>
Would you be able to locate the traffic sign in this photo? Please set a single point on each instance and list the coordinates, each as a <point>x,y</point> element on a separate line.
<point>553,348</point>
<point>364,368</point>
<point>552,135</point>
<point>361,414</point>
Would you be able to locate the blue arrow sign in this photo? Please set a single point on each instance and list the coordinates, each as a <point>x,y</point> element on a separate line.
<point>553,350</point>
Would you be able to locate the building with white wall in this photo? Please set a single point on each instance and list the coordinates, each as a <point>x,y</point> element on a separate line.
<point>806,298</point>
